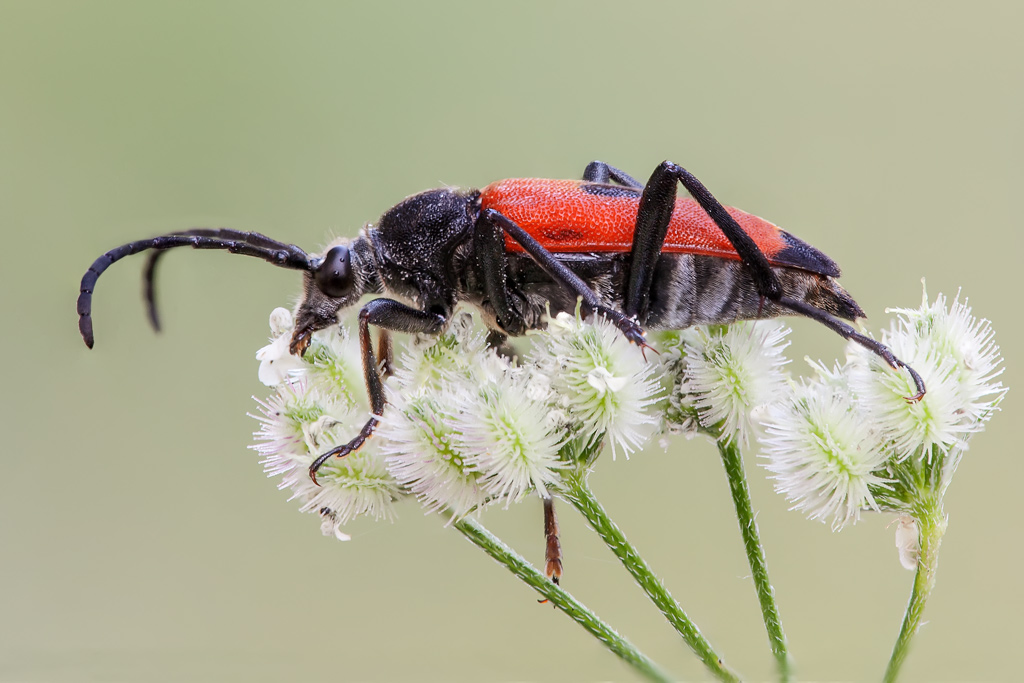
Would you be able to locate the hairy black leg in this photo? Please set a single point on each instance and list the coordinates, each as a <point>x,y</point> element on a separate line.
<point>386,314</point>
<point>492,269</point>
<point>656,206</point>
<point>149,273</point>
<point>284,255</point>
<point>561,274</point>
<point>847,332</point>
<point>600,172</point>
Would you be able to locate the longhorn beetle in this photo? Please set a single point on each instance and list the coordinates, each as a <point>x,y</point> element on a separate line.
<point>632,253</point>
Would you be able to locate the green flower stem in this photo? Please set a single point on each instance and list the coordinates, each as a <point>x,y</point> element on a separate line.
<point>732,459</point>
<point>578,612</point>
<point>579,494</point>
<point>931,525</point>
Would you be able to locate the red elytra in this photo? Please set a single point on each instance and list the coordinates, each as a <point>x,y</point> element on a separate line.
<point>564,217</point>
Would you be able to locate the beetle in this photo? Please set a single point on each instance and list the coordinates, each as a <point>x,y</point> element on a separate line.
<point>522,248</point>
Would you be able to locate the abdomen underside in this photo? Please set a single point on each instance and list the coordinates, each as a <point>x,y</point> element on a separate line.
<point>688,289</point>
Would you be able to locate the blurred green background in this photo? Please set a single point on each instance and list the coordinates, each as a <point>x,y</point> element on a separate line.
<point>141,540</point>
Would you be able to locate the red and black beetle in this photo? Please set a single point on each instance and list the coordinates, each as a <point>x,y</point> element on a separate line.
<point>517,248</point>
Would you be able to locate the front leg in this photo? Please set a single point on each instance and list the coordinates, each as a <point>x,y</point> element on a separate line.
<point>389,315</point>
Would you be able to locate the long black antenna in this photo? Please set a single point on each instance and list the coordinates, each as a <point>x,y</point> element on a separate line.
<point>149,273</point>
<point>234,241</point>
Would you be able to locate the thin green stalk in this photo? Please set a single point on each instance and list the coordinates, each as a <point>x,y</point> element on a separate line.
<point>732,459</point>
<point>576,610</point>
<point>931,525</point>
<point>579,494</point>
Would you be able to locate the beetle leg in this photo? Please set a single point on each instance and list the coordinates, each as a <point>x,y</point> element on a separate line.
<point>552,544</point>
<point>492,267</point>
<point>385,353</point>
<point>561,274</point>
<point>656,206</point>
<point>386,314</point>
<point>847,332</point>
<point>600,172</point>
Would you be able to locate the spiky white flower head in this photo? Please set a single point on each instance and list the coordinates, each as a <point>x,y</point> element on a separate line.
<point>851,439</point>
<point>512,443</point>
<point>418,433</point>
<point>955,333</point>
<point>333,361</point>
<point>907,544</point>
<point>465,428</point>
<point>729,373</point>
<point>822,454</point>
<point>958,360</point>
<point>308,415</point>
<point>424,452</point>
<point>601,380</point>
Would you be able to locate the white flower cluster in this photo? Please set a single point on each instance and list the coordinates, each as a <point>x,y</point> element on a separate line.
<point>850,440</point>
<point>464,426</point>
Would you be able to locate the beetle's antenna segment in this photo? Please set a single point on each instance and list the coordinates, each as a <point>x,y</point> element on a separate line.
<point>149,274</point>
<point>845,330</point>
<point>248,244</point>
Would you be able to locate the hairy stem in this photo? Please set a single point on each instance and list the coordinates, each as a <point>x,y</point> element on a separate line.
<point>931,525</point>
<point>732,459</point>
<point>579,494</point>
<point>578,612</point>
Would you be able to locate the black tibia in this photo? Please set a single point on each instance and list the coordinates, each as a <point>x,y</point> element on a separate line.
<point>656,207</point>
<point>492,269</point>
<point>149,274</point>
<point>553,546</point>
<point>600,172</point>
<point>655,212</point>
<point>284,255</point>
<point>386,314</point>
<point>848,332</point>
<point>561,274</point>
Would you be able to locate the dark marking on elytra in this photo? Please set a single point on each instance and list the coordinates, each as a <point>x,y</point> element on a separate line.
<point>602,190</point>
<point>562,234</point>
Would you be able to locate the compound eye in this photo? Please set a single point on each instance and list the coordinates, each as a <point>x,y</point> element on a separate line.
<point>334,276</point>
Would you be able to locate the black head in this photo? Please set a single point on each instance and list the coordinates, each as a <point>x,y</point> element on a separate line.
<point>335,281</point>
